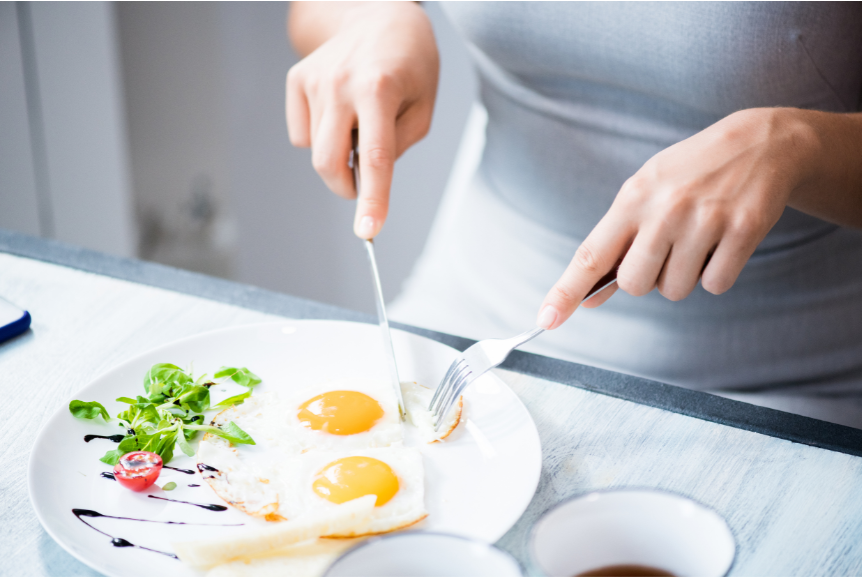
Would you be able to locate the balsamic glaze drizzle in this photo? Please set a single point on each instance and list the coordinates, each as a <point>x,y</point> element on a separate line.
<point>122,543</point>
<point>114,438</point>
<point>204,467</point>
<point>207,506</point>
<point>189,471</point>
<point>117,542</point>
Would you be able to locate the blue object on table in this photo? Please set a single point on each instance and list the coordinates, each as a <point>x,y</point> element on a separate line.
<point>13,320</point>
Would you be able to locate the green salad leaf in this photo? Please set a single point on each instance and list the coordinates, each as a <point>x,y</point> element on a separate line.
<point>171,413</point>
<point>112,457</point>
<point>89,410</point>
<point>241,376</point>
<point>231,432</point>
<point>235,400</point>
<point>183,443</point>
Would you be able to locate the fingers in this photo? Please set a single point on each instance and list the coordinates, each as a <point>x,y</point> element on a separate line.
<point>412,126</point>
<point>331,152</point>
<point>296,109</point>
<point>377,154</point>
<point>685,263</point>
<point>726,263</point>
<point>643,263</point>
<point>594,258</point>
<point>324,122</point>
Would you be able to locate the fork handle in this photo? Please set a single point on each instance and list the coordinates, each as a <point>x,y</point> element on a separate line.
<point>603,283</point>
<point>517,341</point>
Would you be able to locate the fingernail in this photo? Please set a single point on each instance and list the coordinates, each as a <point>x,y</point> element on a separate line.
<point>547,317</point>
<point>365,230</point>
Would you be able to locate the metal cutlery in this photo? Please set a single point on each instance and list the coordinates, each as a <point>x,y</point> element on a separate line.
<point>383,321</point>
<point>484,356</point>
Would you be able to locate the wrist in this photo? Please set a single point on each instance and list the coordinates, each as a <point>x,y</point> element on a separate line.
<point>360,13</point>
<point>790,144</point>
<point>311,24</point>
<point>827,164</point>
<point>802,145</point>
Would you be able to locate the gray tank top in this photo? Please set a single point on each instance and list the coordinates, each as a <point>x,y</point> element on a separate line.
<point>579,95</point>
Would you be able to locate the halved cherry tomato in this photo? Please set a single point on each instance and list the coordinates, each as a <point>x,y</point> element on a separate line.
<point>138,470</point>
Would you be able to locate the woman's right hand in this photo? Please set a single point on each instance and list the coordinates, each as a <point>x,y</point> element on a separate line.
<point>376,70</point>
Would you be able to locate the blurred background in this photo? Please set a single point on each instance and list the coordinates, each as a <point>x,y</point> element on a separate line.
<point>156,130</point>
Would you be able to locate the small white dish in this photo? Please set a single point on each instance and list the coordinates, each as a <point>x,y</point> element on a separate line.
<point>649,528</point>
<point>424,554</point>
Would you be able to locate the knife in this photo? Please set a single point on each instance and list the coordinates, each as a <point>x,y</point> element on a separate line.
<point>378,290</point>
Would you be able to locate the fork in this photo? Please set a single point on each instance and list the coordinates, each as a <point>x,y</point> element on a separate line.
<point>484,356</point>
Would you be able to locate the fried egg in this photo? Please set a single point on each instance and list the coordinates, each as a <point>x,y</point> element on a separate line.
<point>345,415</point>
<point>417,399</point>
<point>395,475</point>
<point>322,445</point>
<point>318,479</point>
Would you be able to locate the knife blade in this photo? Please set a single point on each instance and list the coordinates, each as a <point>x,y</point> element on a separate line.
<point>383,321</point>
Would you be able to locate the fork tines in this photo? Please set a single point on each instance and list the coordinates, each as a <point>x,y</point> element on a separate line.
<point>472,364</point>
<point>456,379</point>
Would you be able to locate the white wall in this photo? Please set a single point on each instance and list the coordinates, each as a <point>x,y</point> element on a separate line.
<point>76,177</point>
<point>19,206</point>
<point>205,86</point>
<point>176,93</point>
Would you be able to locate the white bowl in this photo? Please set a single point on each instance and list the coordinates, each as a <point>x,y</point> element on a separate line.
<point>638,527</point>
<point>424,554</point>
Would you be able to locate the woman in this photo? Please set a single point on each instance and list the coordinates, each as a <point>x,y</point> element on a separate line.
<point>695,142</point>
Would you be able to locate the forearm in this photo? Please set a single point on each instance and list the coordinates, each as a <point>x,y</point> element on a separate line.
<point>310,24</point>
<point>832,187</point>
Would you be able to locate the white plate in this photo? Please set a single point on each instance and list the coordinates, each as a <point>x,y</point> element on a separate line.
<point>477,484</point>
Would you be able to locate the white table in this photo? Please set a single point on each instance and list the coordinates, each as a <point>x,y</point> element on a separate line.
<point>795,509</point>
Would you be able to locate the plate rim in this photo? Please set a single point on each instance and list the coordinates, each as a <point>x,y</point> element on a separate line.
<point>31,463</point>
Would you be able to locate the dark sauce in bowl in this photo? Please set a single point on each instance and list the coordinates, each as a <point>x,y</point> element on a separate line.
<point>625,570</point>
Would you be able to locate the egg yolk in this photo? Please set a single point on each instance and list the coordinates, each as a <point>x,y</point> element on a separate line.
<point>349,478</point>
<point>340,412</point>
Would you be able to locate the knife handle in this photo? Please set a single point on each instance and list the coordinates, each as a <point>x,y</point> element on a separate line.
<point>353,161</point>
<point>603,282</point>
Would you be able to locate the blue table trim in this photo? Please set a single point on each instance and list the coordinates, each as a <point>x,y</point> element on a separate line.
<point>642,391</point>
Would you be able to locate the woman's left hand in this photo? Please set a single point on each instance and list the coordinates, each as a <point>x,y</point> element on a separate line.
<point>696,210</point>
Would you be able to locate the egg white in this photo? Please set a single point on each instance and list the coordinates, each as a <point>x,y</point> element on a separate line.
<point>265,418</point>
<point>244,474</point>
<point>417,398</point>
